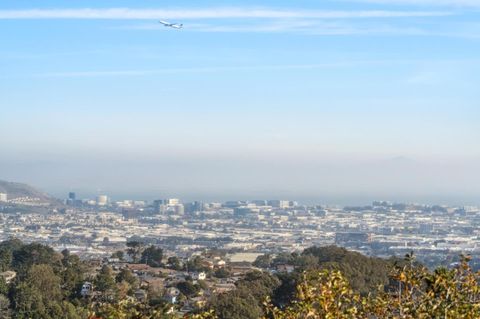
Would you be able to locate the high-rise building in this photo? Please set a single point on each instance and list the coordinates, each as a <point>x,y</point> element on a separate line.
<point>279,203</point>
<point>3,197</point>
<point>193,207</point>
<point>259,202</point>
<point>161,206</point>
<point>172,201</point>
<point>179,209</point>
<point>102,200</point>
<point>72,196</point>
<point>198,206</point>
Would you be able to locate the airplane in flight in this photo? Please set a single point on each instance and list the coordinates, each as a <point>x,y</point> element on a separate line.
<point>171,25</point>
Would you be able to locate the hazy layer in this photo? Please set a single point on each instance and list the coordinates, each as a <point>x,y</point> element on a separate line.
<point>250,176</point>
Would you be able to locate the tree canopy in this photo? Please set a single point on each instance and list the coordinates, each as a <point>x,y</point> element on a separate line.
<point>152,256</point>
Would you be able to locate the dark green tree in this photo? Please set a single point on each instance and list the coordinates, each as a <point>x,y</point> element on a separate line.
<point>174,263</point>
<point>72,274</point>
<point>39,295</point>
<point>6,257</point>
<point>3,286</point>
<point>152,256</point>
<point>134,250</point>
<point>35,254</point>
<point>28,302</point>
<point>127,276</point>
<point>365,274</point>
<point>222,273</point>
<point>196,264</point>
<point>236,304</point>
<point>259,284</point>
<point>5,311</point>
<point>263,261</point>
<point>105,283</point>
<point>6,253</point>
<point>188,288</point>
<point>247,300</point>
<point>118,254</point>
<point>283,258</point>
<point>44,279</point>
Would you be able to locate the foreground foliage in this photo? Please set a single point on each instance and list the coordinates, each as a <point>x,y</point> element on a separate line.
<point>329,282</point>
<point>128,310</point>
<point>420,294</point>
<point>413,292</point>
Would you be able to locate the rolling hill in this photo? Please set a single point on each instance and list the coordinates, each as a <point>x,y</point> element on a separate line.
<point>18,190</point>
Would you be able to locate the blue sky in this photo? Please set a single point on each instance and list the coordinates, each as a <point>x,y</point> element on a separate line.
<point>97,96</point>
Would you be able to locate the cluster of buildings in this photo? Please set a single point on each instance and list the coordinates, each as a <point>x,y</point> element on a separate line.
<point>214,273</point>
<point>23,201</point>
<point>96,228</point>
<point>101,200</point>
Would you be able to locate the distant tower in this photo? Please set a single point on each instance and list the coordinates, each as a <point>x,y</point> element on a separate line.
<point>172,201</point>
<point>3,197</point>
<point>279,203</point>
<point>72,196</point>
<point>102,200</point>
<point>179,209</point>
<point>198,206</point>
<point>159,206</point>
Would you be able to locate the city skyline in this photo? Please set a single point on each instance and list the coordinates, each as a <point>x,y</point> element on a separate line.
<point>341,101</point>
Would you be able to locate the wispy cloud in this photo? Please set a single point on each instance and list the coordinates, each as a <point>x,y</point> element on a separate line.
<point>246,68</point>
<point>437,3</point>
<point>303,26</point>
<point>321,27</point>
<point>269,26</point>
<point>210,13</point>
<point>105,73</point>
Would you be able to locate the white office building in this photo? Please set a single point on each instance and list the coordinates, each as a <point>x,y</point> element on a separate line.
<point>102,200</point>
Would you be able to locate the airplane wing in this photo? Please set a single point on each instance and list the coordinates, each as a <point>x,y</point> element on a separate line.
<point>164,23</point>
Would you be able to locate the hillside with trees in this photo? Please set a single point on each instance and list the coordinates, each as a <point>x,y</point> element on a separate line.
<point>46,284</point>
<point>324,282</point>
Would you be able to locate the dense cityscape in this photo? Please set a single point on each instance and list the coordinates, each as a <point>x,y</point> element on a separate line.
<point>95,228</point>
<point>218,244</point>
